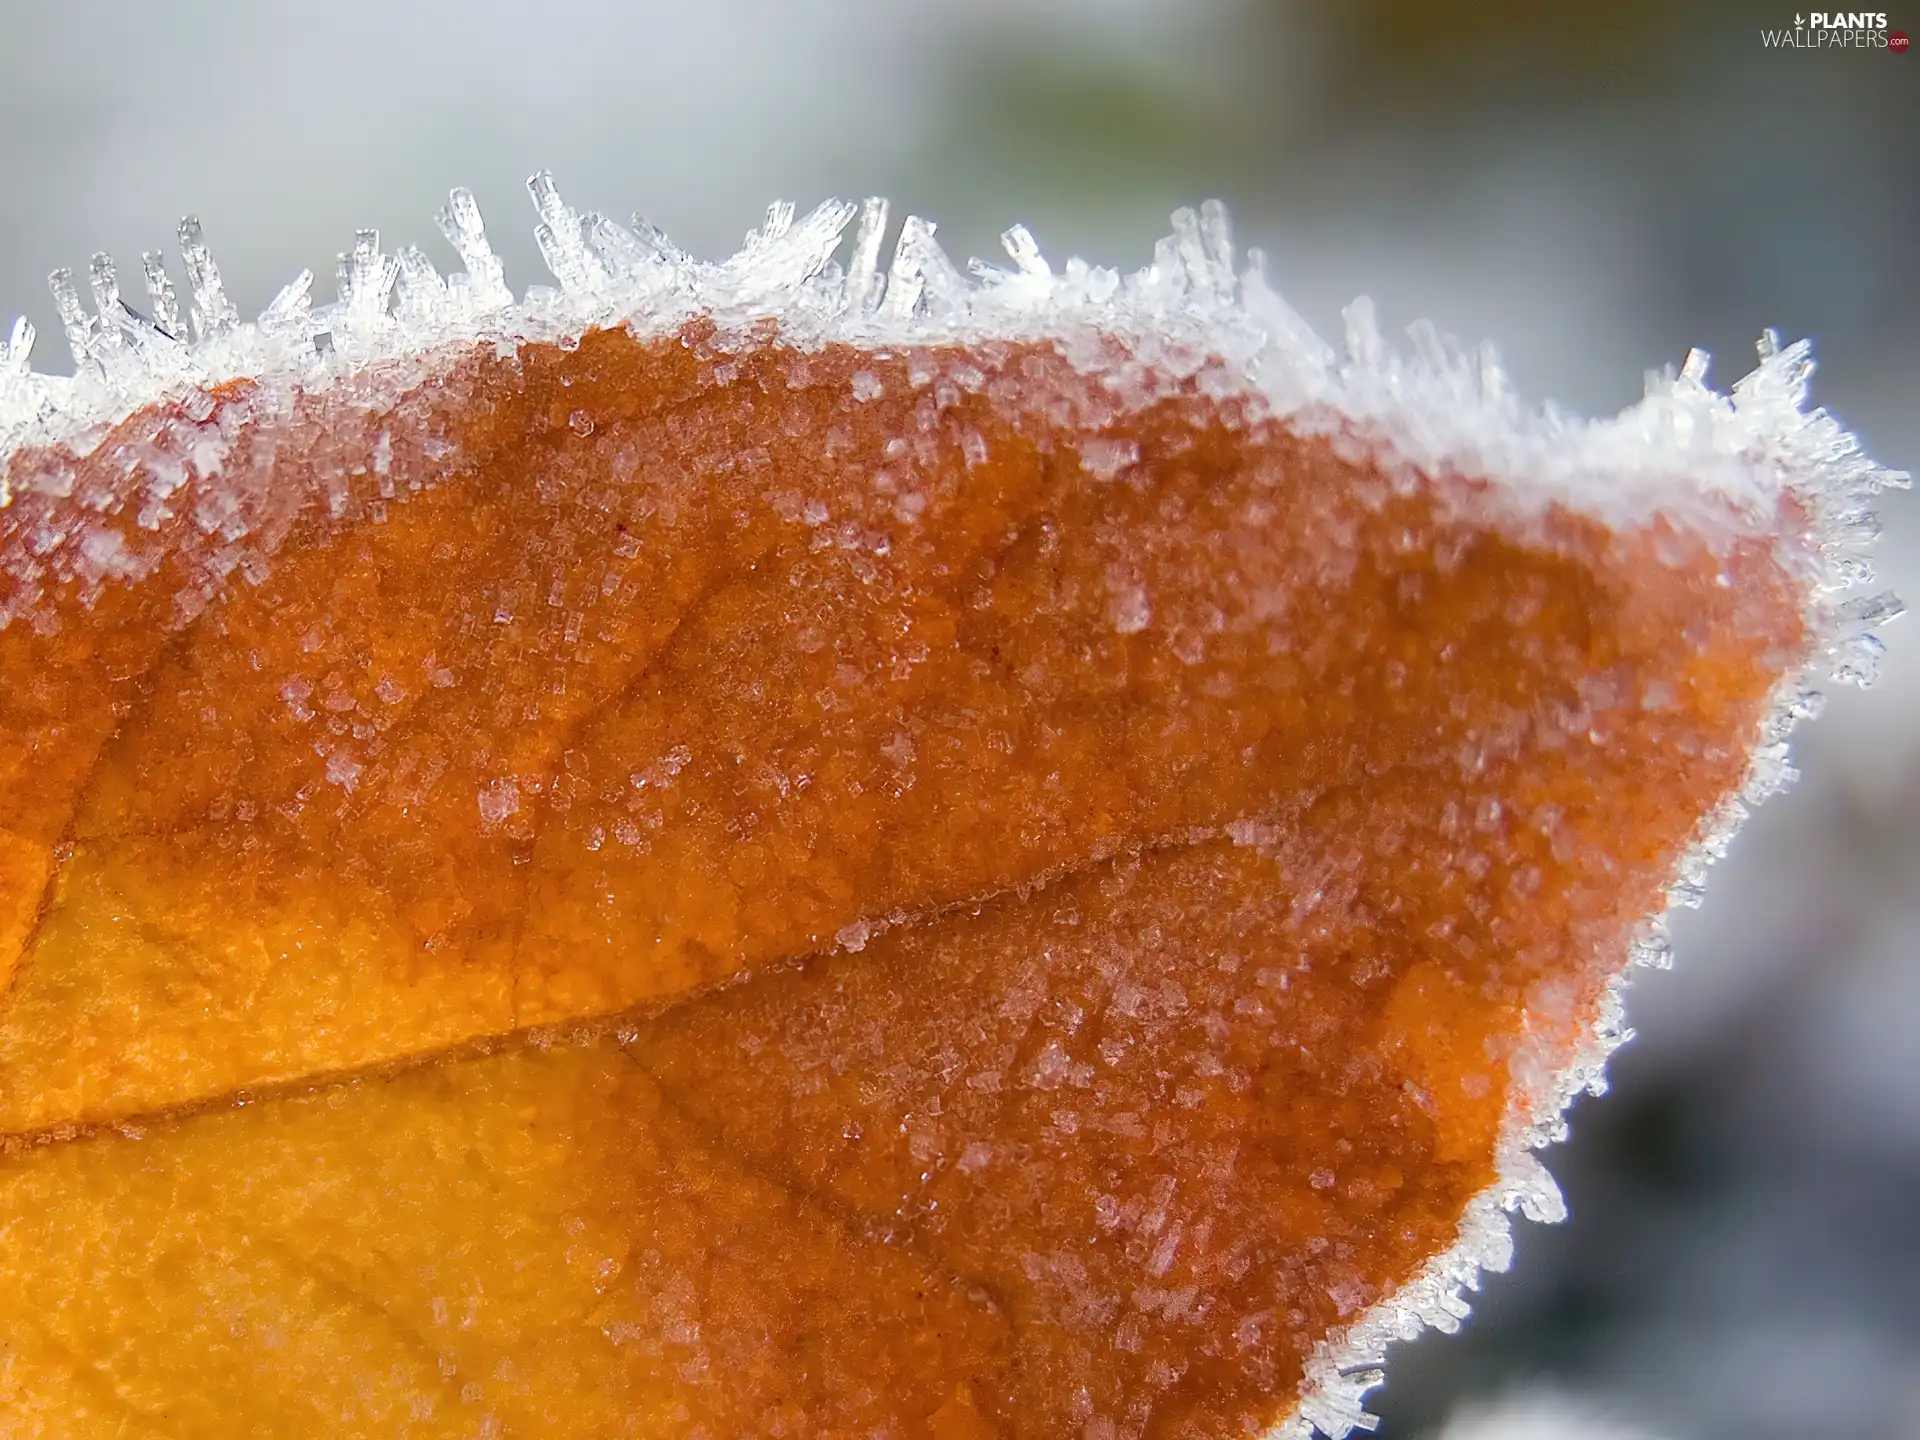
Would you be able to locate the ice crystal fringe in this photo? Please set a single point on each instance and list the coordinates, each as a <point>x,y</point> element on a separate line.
<point>1684,450</point>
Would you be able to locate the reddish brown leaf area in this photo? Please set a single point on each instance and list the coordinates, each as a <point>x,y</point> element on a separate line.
<point>1143,836</point>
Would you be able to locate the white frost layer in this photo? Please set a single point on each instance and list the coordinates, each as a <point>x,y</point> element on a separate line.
<point>1706,459</point>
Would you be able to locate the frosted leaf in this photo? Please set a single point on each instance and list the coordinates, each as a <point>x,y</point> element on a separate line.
<point>1191,323</point>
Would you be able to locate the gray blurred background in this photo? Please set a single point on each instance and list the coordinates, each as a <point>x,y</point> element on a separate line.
<point>1596,186</point>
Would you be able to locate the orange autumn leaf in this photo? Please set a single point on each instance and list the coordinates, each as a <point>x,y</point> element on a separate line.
<point>763,849</point>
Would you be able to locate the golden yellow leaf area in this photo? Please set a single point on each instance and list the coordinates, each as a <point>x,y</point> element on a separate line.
<point>699,887</point>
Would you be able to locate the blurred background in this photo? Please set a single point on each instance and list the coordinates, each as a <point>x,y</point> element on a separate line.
<point>1596,186</point>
